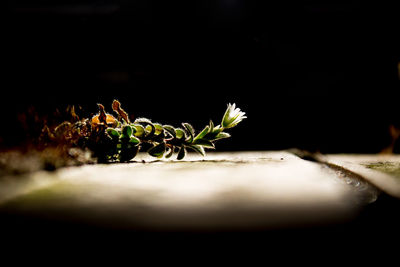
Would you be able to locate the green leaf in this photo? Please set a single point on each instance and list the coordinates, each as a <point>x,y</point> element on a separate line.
<point>113,133</point>
<point>199,149</point>
<point>211,126</point>
<point>202,133</point>
<point>143,120</point>
<point>222,135</point>
<point>134,140</point>
<point>133,129</point>
<point>158,128</point>
<point>150,129</point>
<point>213,134</point>
<point>139,130</point>
<point>204,142</point>
<point>180,133</point>
<point>217,129</point>
<point>169,153</point>
<point>170,129</point>
<point>148,126</point>
<point>158,150</point>
<point>181,153</point>
<point>190,130</point>
<point>127,131</point>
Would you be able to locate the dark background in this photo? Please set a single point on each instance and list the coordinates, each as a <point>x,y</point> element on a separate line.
<point>318,76</point>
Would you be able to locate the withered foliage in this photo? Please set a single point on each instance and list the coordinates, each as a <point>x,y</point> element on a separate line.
<point>116,106</point>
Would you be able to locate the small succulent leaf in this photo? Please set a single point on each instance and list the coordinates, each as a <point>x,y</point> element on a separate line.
<point>134,140</point>
<point>150,129</point>
<point>158,150</point>
<point>143,120</point>
<point>127,131</point>
<point>199,149</point>
<point>202,133</point>
<point>113,133</point>
<point>189,130</point>
<point>217,129</point>
<point>139,130</point>
<point>211,126</point>
<point>204,142</point>
<point>148,125</point>
<point>169,153</point>
<point>181,153</point>
<point>222,135</point>
<point>212,135</point>
<point>158,128</point>
<point>133,129</point>
<point>170,129</point>
<point>180,133</point>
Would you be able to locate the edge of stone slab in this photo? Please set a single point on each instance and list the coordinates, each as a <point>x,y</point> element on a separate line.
<point>385,182</point>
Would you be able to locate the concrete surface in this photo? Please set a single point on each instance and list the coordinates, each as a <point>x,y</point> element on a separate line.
<point>242,190</point>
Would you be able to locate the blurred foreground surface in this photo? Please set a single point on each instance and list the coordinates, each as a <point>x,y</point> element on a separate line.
<point>270,202</point>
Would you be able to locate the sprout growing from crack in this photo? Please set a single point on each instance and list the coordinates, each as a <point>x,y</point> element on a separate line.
<point>119,139</point>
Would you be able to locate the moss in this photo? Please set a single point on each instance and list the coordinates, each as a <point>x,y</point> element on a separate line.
<point>388,167</point>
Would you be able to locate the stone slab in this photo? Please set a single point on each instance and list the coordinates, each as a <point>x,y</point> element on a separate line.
<point>221,191</point>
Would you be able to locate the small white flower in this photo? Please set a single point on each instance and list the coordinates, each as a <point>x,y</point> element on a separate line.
<point>232,116</point>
